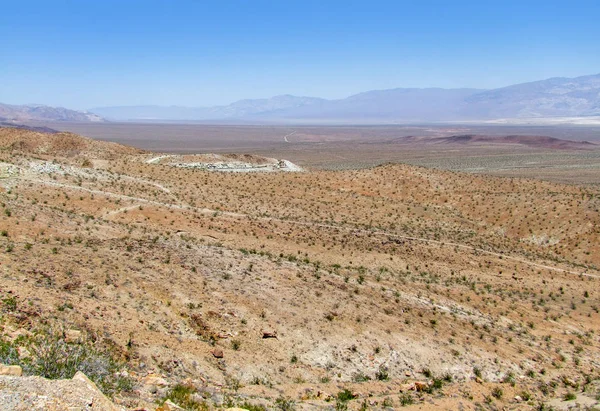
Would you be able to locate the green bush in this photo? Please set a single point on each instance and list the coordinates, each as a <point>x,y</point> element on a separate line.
<point>54,358</point>
<point>10,303</point>
<point>285,404</point>
<point>360,377</point>
<point>8,353</point>
<point>181,395</point>
<point>345,395</point>
<point>251,407</point>
<point>382,373</point>
<point>406,399</point>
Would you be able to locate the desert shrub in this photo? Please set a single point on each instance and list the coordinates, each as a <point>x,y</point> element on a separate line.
<point>526,395</point>
<point>360,377</point>
<point>285,404</point>
<point>340,405</point>
<point>345,395</point>
<point>182,395</point>
<point>406,399</point>
<point>570,396</point>
<point>9,303</point>
<point>438,383</point>
<point>54,358</point>
<point>9,355</point>
<point>509,378</point>
<point>382,373</point>
<point>251,407</point>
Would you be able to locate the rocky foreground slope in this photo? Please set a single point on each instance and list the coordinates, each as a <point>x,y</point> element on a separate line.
<point>388,287</point>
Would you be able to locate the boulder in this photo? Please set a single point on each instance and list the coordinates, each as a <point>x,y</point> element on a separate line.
<point>13,370</point>
<point>155,380</point>
<point>40,394</point>
<point>169,406</point>
<point>217,352</point>
<point>421,386</point>
<point>269,334</point>
<point>23,352</point>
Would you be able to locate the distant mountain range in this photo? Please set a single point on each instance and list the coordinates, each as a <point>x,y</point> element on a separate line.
<point>11,113</point>
<point>555,97</point>
<point>552,98</point>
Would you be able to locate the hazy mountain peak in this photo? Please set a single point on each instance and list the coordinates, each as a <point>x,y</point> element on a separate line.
<point>44,113</point>
<point>554,97</point>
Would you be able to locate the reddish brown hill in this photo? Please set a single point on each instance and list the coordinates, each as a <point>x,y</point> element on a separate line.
<point>530,141</point>
<point>60,144</point>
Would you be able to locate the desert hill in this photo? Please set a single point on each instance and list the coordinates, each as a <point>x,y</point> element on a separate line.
<point>359,289</point>
<point>538,142</point>
<point>59,144</point>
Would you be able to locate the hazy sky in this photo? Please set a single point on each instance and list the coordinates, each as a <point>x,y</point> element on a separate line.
<point>83,54</point>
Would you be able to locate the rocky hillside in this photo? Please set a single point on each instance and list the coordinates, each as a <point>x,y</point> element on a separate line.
<point>394,286</point>
<point>60,144</point>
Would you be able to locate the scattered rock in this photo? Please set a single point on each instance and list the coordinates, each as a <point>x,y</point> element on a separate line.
<point>21,332</point>
<point>269,334</point>
<point>421,386</point>
<point>73,336</point>
<point>169,406</point>
<point>155,380</point>
<point>13,370</point>
<point>37,394</point>
<point>23,352</point>
<point>307,394</point>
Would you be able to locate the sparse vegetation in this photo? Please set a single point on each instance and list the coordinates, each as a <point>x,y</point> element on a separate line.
<point>164,269</point>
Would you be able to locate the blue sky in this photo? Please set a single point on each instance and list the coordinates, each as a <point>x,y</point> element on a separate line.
<point>83,54</point>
